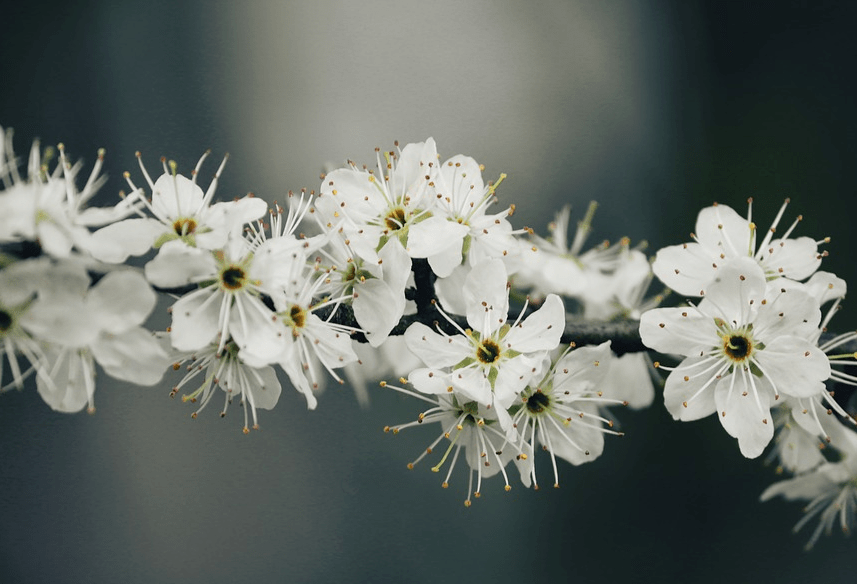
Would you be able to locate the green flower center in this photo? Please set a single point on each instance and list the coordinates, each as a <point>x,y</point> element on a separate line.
<point>737,347</point>
<point>298,316</point>
<point>233,278</point>
<point>395,219</point>
<point>538,402</point>
<point>488,352</point>
<point>184,226</point>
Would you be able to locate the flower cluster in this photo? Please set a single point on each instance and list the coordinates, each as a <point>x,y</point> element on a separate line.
<point>60,310</point>
<point>409,271</point>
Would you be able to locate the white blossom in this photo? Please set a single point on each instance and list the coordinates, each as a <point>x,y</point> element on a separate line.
<point>181,211</point>
<point>722,236</point>
<point>830,490</point>
<point>472,428</point>
<point>215,367</point>
<point>490,362</point>
<point>393,204</point>
<point>561,412</point>
<point>745,345</point>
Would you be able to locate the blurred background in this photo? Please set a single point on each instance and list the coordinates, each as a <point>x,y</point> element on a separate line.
<point>654,109</point>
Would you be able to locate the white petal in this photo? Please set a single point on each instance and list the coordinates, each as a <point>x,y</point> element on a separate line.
<point>434,235</point>
<point>66,321</point>
<point>449,291</point>
<point>133,355</point>
<point>487,297</point>
<point>121,300</point>
<point>178,265</point>
<point>395,264</point>
<point>228,218</point>
<point>430,381</point>
<point>686,268</point>
<point>823,286</point>
<point>54,239</point>
<point>131,237</point>
<point>176,196</point>
<point>436,350</point>
<point>793,258</point>
<point>588,442</point>
<point>266,390</point>
<point>795,367</point>
<point>679,331</point>
<point>261,338</point>
<point>461,180</point>
<point>513,376</point>
<point>195,319</point>
<point>377,309</point>
<point>787,311</point>
<point>471,385</point>
<point>582,370</point>
<point>541,330</point>
<point>333,348</point>
<point>741,415</point>
<point>71,384</point>
<point>736,293</point>
<point>629,379</point>
<point>352,195</point>
<point>692,383</point>
<point>444,262</point>
<point>720,227</point>
<point>292,367</point>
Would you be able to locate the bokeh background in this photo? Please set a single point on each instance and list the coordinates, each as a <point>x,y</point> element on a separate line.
<point>652,108</point>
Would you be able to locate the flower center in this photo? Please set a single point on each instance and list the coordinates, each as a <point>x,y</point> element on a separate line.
<point>233,278</point>
<point>5,321</point>
<point>737,347</point>
<point>184,226</point>
<point>298,316</point>
<point>350,273</point>
<point>538,402</point>
<point>395,219</point>
<point>488,352</point>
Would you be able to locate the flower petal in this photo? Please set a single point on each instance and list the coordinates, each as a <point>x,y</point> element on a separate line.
<point>742,416</point>
<point>436,350</point>
<point>487,297</point>
<point>540,331</point>
<point>196,319</point>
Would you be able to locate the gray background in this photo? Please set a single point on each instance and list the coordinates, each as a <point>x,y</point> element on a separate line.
<point>652,108</point>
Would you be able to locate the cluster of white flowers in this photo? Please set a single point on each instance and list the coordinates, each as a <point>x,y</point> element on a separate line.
<point>515,341</point>
<point>60,313</point>
<point>752,346</point>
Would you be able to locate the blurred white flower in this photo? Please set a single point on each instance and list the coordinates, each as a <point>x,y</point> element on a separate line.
<point>47,206</point>
<point>256,387</point>
<point>830,489</point>
<point>472,428</point>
